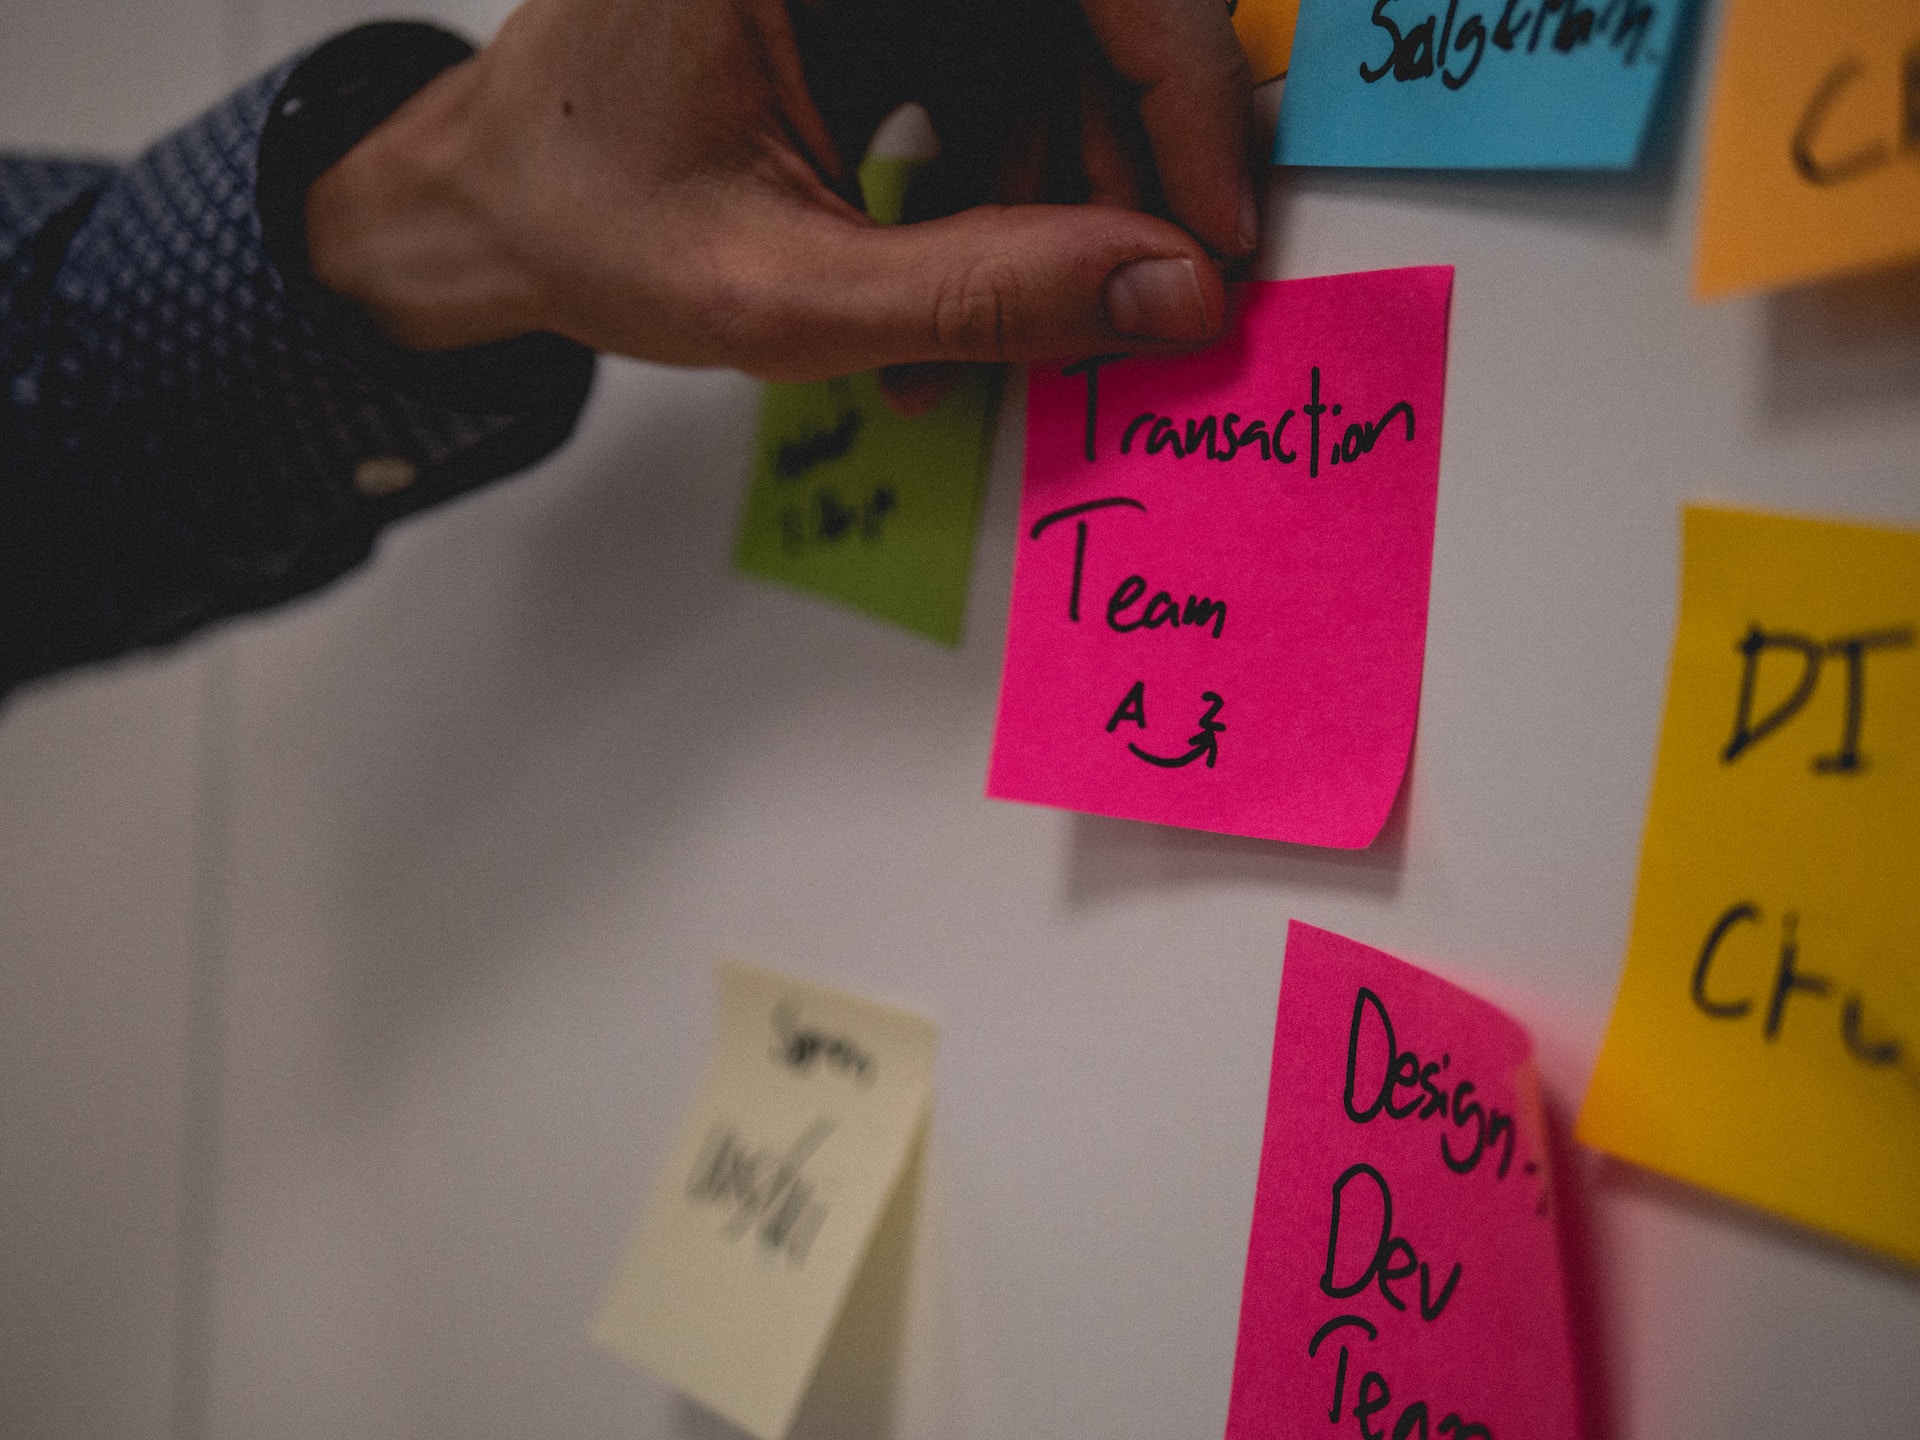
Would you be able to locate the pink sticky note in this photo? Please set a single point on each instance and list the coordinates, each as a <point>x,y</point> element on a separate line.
<point>1404,1273</point>
<point>1220,592</point>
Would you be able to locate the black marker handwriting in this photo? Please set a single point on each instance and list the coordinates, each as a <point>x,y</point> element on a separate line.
<point>1221,437</point>
<point>1811,159</point>
<point>1338,1323</point>
<point>1390,1258</point>
<point>1090,368</point>
<point>1133,706</point>
<point>1225,436</point>
<point>1870,156</point>
<point>1203,743</point>
<point>829,520</point>
<point>1866,1043</point>
<point>801,1047</point>
<point>1041,526</point>
<point>1368,1252</point>
<point>795,457</point>
<point>1753,648</point>
<point>1229,436</point>
<point>1374,1395</point>
<point>1415,54</point>
<point>1076,514</point>
<point>1162,609</point>
<point>1402,1070</point>
<point>765,1188</point>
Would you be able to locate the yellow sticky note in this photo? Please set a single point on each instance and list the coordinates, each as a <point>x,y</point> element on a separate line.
<point>1813,149</point>
<point>1766,1038</point>
<point>811,1106</point>
<point>1265,28</point>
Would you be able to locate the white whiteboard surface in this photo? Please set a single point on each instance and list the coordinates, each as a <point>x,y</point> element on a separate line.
<point>487,811</point>
<point>104,1023</point>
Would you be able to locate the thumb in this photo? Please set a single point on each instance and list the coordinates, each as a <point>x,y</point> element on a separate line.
<point>1019,283</point>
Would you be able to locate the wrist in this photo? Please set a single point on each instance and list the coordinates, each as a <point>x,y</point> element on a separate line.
<point>400,227</point>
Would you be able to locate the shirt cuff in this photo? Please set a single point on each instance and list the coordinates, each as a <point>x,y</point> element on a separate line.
<point>194,427</point>
<point>332,100</point>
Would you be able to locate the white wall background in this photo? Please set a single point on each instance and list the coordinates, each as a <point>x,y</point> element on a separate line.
<point>355,962</point>
<point>105,1026</point>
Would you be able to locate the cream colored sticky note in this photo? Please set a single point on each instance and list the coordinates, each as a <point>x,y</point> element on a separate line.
<point>1813,148</point>
<point>1766,1038</point>
<point>811,1106</point>
<point>1265,28</point>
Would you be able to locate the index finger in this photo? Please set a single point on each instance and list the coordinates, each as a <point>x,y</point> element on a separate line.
<point>1196,101</point>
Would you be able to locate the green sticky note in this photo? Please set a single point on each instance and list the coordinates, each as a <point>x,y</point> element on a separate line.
<point>883,183</point>
<point>856,502</point>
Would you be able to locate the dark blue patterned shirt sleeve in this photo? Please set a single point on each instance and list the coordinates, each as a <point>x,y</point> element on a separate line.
<point>186,431</point>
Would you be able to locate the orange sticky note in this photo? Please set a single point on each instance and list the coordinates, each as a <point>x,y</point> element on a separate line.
<point>1265,28</point>
<point>1813,151</point>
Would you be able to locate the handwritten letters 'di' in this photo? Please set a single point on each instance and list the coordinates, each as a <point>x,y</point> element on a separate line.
<point>1220,591</point>
<point>1404,1273</point>
<point>1766,1038</point>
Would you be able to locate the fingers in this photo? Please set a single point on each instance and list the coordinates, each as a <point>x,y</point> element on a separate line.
<point>846,63</point>
<point>1114,171</point>
<point>782,68</point>
<point>685,220</point>
<point>1196,100</point>
<point>1015,284</point>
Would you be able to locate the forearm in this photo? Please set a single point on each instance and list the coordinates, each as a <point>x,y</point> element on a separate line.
<point>192,426</point>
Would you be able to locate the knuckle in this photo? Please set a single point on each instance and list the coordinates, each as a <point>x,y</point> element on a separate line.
<point>746,337</point>
<point>745,325</point>
<point>977,311</point>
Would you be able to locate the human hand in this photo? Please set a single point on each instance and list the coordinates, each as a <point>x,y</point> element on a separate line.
<point>657,179</point>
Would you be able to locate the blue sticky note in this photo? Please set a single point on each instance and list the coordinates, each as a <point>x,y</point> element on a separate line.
<point>1476,84</point>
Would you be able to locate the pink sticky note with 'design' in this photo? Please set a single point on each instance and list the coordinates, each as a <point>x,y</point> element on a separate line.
<point>1404,1277</point>
<point>1220,592</point>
